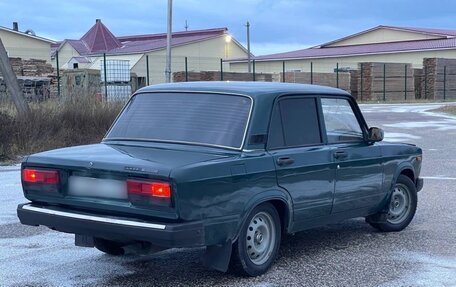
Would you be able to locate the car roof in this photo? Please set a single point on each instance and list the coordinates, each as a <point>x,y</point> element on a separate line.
<point>264,94</point>
<point>253,89</point>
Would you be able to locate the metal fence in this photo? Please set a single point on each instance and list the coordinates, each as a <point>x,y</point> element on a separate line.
<point>113,78</point>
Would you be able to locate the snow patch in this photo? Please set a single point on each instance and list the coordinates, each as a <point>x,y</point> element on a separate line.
<point>11,191</point>
<point>55,261</point>
<point>5,168</point>
<point>439,125</point>
<point>399,108</point>
<point>433,270</point>
<point>399,137</point>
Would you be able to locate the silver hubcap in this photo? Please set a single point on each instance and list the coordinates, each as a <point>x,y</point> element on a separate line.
<point>260,238</point>
<point>399,205</point>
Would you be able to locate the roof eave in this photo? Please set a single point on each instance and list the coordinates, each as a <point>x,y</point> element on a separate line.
<point>157,49</point>
<point>124,38</point>
<point>382,27</point>
<point>28,35</point>
<point>342,55</point>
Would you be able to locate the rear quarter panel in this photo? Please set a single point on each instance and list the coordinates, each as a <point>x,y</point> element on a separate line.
<point>220,192</point>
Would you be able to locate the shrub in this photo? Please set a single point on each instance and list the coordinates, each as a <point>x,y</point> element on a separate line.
<point>55,124</point>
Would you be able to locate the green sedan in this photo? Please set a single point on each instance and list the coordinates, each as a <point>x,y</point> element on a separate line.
<point>229,166</point>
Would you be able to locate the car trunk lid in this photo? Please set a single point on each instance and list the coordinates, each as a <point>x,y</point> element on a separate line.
<point>95,176</point>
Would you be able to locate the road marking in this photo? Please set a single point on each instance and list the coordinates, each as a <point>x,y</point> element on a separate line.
<point>438,177</point>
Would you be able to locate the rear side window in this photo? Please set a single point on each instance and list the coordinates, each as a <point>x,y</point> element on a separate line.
<point>294,123</point>
<point>340,121</point>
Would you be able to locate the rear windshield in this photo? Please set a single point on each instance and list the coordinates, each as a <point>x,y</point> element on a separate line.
<point>208,119</point>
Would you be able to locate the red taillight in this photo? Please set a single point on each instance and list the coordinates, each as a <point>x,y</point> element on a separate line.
<point>40,176</point>
<point>156,189</point>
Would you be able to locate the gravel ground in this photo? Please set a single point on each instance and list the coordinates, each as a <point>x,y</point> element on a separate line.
<point>348,254</point>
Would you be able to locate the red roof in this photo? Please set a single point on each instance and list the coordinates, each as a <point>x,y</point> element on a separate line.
<point>446,40</point>
<point>439,33</point>
<point>379,48</point>
<point>443,32</point>
<point>205,32</point>
<point>100,39</point>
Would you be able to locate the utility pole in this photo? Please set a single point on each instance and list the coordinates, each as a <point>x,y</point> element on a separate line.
<point>12,85</point>
<point>186,25</point>
<point>248,47</point>
<point>168,42</point>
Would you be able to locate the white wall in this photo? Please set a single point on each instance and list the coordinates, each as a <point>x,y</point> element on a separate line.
<point>383,35</point>
<point>204,55</point>
<point>65,54</point>
<point>327,65</point>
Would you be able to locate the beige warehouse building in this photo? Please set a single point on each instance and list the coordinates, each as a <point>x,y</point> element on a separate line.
<point>25,45</point>
<point>202,48</point>
<point>379,44</point>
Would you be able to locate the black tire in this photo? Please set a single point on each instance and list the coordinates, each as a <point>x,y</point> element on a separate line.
<point>398,218</point>
<point>109,247</point>
<point>247,258</point>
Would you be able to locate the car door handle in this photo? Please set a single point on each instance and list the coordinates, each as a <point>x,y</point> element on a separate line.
<point>282,161</point>
<point>340,154</point>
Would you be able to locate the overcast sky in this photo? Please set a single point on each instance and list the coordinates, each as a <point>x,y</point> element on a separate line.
<point>276,25</point>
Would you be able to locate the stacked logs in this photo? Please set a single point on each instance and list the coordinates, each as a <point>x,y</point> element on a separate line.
<point>34,78</point>
<point>385,81</point>
<point>354,78</point>
<point>439,79</point>
<point>35,67</point>
<point>341,81</point>
<point>419,83</point>
<point>31,67</point>
<point>216,76</point>
<point>16,64</point>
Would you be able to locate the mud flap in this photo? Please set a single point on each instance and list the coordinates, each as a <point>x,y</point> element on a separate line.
<point>380,216</point>
<point>218,257</point>
<point>377,218</point>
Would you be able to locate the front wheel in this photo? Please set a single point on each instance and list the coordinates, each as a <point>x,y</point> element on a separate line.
<point>402,206</point>
<point>258,242</point>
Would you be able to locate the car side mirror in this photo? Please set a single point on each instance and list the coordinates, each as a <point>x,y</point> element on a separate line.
<point>375,134</point>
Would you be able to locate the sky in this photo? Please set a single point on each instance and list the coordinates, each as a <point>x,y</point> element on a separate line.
<point>276,25</point>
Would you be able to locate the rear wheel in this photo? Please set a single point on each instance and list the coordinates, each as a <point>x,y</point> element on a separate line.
<point>109,247</point>
<point>402,206</point>
<point>258,242</point>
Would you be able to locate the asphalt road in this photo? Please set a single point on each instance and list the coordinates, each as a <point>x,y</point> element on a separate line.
<point>348,254</point>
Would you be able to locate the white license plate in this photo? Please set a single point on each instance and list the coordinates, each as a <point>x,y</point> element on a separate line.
<point>97,187</point>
